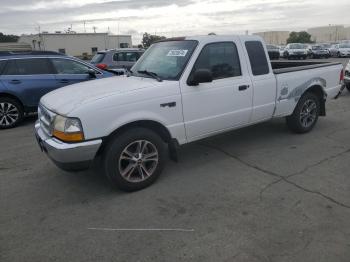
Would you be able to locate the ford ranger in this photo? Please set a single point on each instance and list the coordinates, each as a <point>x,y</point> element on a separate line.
<point>181,90</point>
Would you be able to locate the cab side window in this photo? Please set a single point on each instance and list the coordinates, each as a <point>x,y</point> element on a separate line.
<point>221,59</point>
<point>257,58</point>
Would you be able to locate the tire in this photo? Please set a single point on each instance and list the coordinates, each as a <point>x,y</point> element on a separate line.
<point>124,161</point>
<point>309,107</point>
<point>11,112</point>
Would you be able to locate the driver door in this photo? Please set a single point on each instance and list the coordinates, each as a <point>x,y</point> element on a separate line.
<point>224,103</point>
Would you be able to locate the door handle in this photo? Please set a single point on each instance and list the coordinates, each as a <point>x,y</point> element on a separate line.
<point>64,81</point>
<point>243,87</point>
<point>15,82</point>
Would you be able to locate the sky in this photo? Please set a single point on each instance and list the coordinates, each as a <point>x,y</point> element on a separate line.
<point>169,18</point>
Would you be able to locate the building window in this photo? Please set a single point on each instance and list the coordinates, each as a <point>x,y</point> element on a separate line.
<point>124,45</point>
<point>94,50</point>
<point>62,51</point>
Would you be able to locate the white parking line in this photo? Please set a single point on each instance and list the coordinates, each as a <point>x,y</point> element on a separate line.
<point>142,229</point>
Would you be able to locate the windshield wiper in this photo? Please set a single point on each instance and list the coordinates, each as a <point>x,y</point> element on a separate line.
<point>152,74</point>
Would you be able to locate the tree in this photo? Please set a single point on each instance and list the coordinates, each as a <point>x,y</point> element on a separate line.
<point>8,38</point>
<point>148,39</point>
<point>299,37</point>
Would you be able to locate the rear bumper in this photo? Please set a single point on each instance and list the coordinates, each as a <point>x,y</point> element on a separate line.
<point>75,156</point>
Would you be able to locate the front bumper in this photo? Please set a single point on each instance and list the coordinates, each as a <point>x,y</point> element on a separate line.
<point>68,156</point>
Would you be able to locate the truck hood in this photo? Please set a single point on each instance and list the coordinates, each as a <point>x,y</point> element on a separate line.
<point>66,99</point>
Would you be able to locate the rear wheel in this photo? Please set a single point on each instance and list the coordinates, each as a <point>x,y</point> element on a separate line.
<point>134,159</point>
<point>305,114</point>
<point>11,113</point>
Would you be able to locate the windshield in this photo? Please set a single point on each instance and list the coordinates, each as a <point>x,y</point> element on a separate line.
<point>317,47</point>
<point>165,59</point>
<point>98,58</point>
<point>296,46</point>
<point>271,47</point>
<point>344,46</point>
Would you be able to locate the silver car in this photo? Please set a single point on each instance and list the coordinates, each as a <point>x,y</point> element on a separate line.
<point>117,60</point>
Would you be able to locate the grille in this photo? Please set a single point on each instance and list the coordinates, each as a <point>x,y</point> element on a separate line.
<point>45,119</point>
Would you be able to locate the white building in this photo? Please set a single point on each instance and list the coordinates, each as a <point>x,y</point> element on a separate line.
<point>76,44</point>
<point>274,37</point>
<point>331,33</point>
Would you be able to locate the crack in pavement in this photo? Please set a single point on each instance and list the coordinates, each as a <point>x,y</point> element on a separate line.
<point>303,171</point>
<point>282,178</point>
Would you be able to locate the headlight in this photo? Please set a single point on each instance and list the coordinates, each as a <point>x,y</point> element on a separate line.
<point>68,129</point>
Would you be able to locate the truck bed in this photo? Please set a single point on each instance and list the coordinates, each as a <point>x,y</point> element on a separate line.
<point>280,67</point>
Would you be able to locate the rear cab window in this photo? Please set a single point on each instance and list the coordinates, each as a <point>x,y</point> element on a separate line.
<point>257,58</point>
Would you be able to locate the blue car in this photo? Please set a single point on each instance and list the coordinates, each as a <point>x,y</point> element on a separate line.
<point>26,77</point>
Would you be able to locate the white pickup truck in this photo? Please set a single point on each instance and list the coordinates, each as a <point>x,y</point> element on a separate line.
<point>181,90</point>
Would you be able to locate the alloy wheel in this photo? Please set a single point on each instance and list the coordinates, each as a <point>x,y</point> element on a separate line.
<point>138,161</point>
<point>9,114</point>
<point>308,113</point>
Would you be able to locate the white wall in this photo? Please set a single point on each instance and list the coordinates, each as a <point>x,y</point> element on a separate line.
<point>75,44</point>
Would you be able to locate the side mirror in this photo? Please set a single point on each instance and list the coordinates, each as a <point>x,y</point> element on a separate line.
<point>92,73</point>
<point>200,76</point>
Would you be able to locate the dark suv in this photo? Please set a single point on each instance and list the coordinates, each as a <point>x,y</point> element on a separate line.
<point>26,77</point>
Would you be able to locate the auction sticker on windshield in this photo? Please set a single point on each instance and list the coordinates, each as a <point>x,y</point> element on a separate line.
<point>177,53</point>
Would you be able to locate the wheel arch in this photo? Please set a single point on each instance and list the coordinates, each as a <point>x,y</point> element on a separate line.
<point>8,95</point>
<point>155,126</point>
<point>321,94</point>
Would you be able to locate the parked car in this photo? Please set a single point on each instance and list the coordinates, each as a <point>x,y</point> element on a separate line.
<point>295,50</point>
<point>281,50</point>
<point>343,50</point>
<point>347,76</point>
<point>180,91</point>
<point>327,47</point>
<point>317,51</point>
<point>26,77</point>
<point>334,50</point>
<point>274,52</point>
<point>118,60</point>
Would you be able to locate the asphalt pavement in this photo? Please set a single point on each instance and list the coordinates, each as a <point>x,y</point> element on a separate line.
<point>260,193</point>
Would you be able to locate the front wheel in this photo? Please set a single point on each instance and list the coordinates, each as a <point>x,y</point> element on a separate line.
<point>11,113</point>
<point>134,159</point>
<point>305,114</point>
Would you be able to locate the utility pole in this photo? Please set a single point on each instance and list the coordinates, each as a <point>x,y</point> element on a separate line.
<point>84,26</point>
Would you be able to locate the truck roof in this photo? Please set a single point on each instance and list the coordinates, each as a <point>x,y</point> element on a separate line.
<point>210,38</point>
